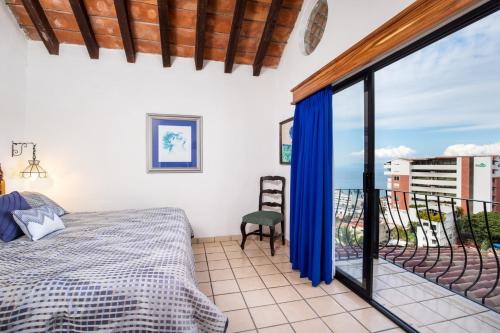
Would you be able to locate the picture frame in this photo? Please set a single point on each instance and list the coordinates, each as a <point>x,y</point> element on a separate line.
<point>174,143</point>
<point>286,127</point>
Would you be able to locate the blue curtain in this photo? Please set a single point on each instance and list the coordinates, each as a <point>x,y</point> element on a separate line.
<point>312,189</point>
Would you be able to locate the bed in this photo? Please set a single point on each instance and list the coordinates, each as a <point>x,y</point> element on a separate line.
<point>119,271</point>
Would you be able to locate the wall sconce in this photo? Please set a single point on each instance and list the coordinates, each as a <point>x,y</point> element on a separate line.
<point>34,168</point>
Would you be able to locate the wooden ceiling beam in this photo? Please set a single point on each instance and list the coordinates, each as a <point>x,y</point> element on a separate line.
<point>125,31</point>
<point>82,18</point>
<point>234,35</point>
<point>267,35</point>
<point>164,32</point>
<point>42,26</point>
<point>201,18</point>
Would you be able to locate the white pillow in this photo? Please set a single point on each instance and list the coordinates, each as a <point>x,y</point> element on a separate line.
<point>38,222</point>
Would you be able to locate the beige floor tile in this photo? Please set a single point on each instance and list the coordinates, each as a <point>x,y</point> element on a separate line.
<point>199,251</point>
<point>306,290</point>
<point>239,321</point>
<point>312,325</point>
<point>212,244</point>
<point>244,272</point>
<point>446,326</point>
<point>254,253</point>
<point>444,308</point>
<point>225,287</point>
<point>275,280</point>
<point>235,255</point>
<point>335,287</point>
<point>239,262</point>
<point>421,314</point>
<point>259,297</point>
<point>466,305</point>
<point>344,323</point>
<point>221,274</point>
<point>416,293</point>
<point>217,249</point>
<point>350,301</point>
<point>218,264</point>
<point>472,324</point>
<point>232,248</point>
<point>200,257</point>
<point>266,269</point>
<point>229,302</point>
<point>269,315</point>
<point>260,261</point>
<point>206,288</point>
<point>277,329</point>
<point>297,311</point>
<point>284,267</point>
<point>490,317</point>
<point>294,278</point>
<point>373,320</point>
<point>229,243</point>
<point>203,276</point>
<point>325,306</point>
<point>250,283</point>
<point>395,330</point>
<point>393,297</point>
<point>216,256</point>
<point>284,294</point>
<point>279,258</point>
<point>201,266</point>
<point>198,246</point>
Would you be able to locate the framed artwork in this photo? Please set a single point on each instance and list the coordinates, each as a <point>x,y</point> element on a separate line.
<point>286,128</point>
<point>174,143</point>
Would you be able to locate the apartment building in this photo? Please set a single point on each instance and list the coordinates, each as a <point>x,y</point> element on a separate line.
<point>461,177</point>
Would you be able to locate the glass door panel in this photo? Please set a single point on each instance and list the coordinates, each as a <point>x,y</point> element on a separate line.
<point>349,160</point>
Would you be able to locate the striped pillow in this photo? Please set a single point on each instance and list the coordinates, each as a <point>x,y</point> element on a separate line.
<point>35,199</point>
<point>38,222</point>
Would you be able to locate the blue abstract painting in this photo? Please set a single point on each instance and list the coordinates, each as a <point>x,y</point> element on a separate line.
<point>174,143</point>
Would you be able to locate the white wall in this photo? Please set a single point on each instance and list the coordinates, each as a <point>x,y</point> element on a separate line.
<point>12,90</point>
<point>348,22</point>
<point>89,120</point>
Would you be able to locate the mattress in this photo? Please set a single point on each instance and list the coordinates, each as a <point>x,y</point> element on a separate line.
<point>118,271</point>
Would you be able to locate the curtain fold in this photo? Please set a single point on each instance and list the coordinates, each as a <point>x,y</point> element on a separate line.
<point>311,194</point>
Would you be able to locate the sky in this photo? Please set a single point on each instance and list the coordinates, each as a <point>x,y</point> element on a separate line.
<point>441,100</point>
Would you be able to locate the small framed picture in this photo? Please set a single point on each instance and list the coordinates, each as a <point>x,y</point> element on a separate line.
<point>286,128</point>
<point>174,143</point>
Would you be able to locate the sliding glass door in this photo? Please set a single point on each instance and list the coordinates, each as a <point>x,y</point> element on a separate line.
<point>353,179</point>
<point>421,241</point>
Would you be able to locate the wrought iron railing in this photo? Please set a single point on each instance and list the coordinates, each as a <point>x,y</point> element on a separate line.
<point>450,241</point>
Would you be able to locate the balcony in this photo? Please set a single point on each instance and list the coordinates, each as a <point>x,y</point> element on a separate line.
<point>434,267</point>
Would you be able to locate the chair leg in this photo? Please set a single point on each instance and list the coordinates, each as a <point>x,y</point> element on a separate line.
<point>243,235</point>
<point>271,234</point>
<point>260,232</point>
<point>283,232</point>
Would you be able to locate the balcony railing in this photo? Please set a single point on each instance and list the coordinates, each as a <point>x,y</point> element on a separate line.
<point>450,241</point>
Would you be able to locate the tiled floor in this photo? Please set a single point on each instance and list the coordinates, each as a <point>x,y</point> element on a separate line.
<point>425,305</point>
<point>262,293</point>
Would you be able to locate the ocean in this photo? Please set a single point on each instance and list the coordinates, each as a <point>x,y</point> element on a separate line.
<point>351,177</point>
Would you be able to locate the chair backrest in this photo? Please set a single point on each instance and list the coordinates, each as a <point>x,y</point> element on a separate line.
<point>280,190</point>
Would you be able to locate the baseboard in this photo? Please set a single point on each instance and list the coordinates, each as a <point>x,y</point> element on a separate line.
<point>200,240</point>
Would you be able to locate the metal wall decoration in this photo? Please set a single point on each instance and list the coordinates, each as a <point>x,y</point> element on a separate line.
<point>34,168</point>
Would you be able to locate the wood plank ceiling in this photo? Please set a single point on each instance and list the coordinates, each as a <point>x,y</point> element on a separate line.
<point>249,32</point>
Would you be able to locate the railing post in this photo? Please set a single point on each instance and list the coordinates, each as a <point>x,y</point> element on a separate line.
<point>376,226</point>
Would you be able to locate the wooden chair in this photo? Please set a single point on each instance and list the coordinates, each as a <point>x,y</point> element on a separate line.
<point>267,217</point>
